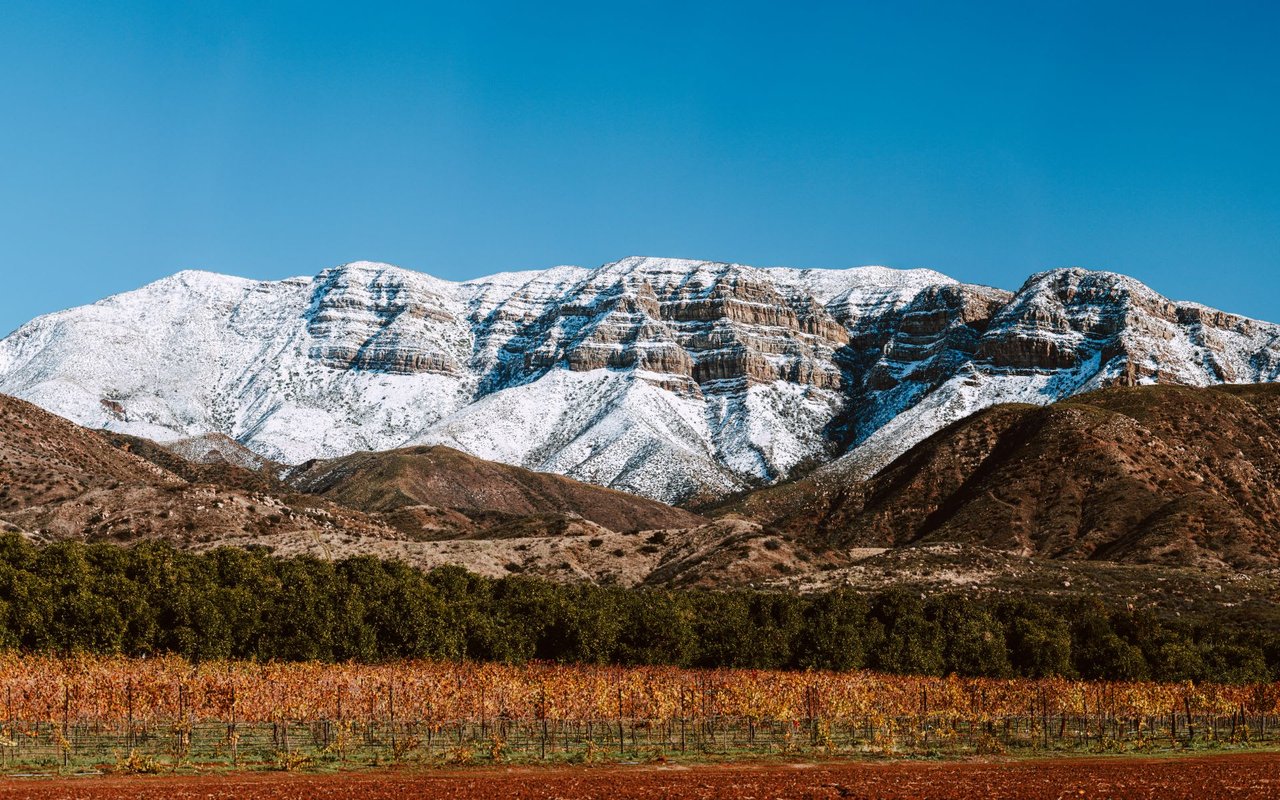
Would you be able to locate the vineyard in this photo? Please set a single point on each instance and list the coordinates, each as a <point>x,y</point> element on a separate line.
<point>156,713</point>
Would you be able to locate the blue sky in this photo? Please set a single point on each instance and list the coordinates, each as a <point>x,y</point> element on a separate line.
<point>985,140</point>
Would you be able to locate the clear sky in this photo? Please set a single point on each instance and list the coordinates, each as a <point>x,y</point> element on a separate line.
<point>986,140</point>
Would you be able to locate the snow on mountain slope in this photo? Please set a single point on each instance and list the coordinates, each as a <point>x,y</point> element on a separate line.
<point>669,378</point>
<point>1065,332</point>
<point>294,369</point>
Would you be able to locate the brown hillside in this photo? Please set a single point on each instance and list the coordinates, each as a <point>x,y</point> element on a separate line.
<point>398,480</point>
<point>1157,474</point>
<point>206,470</point>
<point>60,481</point>
<point>44,459</point>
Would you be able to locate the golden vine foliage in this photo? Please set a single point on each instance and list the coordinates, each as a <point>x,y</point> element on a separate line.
<point>113,693</point>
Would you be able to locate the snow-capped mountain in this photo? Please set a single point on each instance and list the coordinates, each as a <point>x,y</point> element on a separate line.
<point>663,377</point>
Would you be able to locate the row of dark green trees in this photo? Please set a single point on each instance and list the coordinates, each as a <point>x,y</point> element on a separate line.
<point>233,603</point>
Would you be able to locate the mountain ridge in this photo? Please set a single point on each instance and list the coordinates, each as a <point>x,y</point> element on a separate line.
<point>1153,475</point>
<point>1144,484</point>
<point>674,379</point>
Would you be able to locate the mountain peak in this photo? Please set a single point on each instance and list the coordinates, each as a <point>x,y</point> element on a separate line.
<point>371,268</point>
<point>659,264</point>
<point>1074,276</point>
<point>199,280</point>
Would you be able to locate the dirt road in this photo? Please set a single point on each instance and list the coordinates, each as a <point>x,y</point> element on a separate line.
<point>1234,776</point>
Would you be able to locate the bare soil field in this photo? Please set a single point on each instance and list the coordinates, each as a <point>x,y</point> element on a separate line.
<point>1236,776</point>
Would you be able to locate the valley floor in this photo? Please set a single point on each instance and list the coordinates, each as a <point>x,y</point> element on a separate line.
<point>1236,775</point>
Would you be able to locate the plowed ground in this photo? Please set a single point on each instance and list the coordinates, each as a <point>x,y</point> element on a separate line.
<point>1235,776</point>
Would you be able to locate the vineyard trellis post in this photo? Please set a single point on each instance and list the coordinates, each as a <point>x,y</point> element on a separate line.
<point>284,723</point>
<point>542,714</point>
<point>342,729</point>
<point>391,713</point>
<point>1044,717</point>
<point>8,715</point>
<point>232,733</point>
<point>812,702</point>
<point>177,728</point>
<point>1191,723</point>
<point>924,713</point>
<point>622,746</point>
<point>66,713</point>
<point>128,731</point>
<point>682,690</point>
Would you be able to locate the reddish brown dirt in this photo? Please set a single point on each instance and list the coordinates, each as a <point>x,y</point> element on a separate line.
<point>1235,776</point>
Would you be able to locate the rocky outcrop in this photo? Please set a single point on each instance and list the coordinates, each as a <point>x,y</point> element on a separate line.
<point>1064,332</point>
<point>385,320</point>
<point>941,329</point>
<point>730,325</point>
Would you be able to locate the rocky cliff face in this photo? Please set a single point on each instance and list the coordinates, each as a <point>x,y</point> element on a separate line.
<point>668,378</point>
<point>963,348</point>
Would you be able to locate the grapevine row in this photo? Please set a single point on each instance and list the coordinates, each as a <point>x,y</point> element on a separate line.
<point>59,699</point>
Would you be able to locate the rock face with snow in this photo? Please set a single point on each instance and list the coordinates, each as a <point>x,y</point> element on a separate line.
<point>667,378</point>
<point>1169,475</point>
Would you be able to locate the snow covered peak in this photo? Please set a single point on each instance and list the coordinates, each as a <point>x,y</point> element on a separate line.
<point>376,270</point>
<point>654,265</point>
<point>1073,279</point>
<point>375,276</point>
<point>200,279</point>
<point>369,267</point>
<point>186,283</point>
